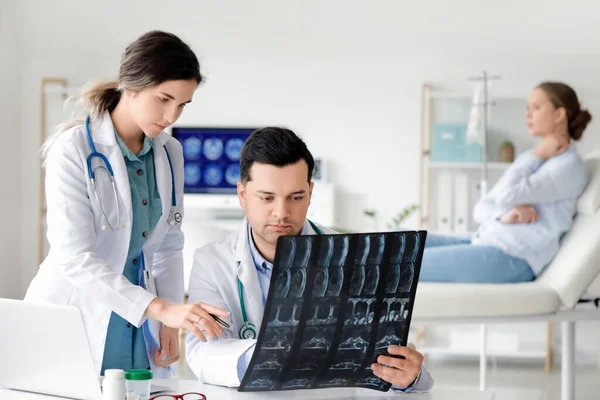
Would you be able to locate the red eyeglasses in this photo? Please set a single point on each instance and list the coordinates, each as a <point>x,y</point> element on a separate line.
<point>185,396</point>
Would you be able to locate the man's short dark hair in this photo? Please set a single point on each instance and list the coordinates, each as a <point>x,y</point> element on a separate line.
<point>274,146</point>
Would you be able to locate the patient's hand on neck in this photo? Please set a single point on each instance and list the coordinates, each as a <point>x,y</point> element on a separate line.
<point>552,145</point>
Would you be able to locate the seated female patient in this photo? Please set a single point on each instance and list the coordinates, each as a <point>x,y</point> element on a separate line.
<point>523,217</point>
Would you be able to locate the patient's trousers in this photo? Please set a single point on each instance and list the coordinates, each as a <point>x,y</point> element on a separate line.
<point>455,259</point>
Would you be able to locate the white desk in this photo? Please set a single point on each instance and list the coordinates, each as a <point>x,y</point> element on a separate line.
<point>221,393</point>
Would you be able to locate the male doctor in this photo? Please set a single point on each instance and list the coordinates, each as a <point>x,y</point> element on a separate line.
<point>275,190</point>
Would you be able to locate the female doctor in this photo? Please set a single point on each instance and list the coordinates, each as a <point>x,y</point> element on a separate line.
<point>114,190</point>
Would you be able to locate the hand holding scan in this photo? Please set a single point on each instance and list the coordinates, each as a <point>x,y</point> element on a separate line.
<point>194,317</point>
<point>397,371</point>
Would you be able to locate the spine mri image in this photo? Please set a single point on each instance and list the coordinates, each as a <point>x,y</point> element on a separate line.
<point>337,303</point>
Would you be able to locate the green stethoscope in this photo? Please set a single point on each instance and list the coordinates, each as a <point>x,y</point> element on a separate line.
<point>248,329</point>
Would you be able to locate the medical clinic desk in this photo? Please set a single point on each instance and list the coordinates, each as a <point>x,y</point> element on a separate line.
<point>221,393</point>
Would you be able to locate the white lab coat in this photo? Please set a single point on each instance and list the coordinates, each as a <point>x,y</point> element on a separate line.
<point>84,267</point>
<point>214,281</point>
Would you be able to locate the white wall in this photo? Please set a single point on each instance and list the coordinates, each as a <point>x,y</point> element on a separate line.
<point>343,74</point>
<point>10,227</point>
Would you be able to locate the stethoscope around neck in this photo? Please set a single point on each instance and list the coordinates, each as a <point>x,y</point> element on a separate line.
<point>248,329</point>
<point>174,217</point>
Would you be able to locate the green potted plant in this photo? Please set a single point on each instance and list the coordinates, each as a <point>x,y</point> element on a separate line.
<point>397,220</point>
<point>507,152</point>
<point>401,216</point>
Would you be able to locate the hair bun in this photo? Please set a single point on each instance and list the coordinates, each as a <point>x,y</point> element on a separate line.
<point>578,124</point>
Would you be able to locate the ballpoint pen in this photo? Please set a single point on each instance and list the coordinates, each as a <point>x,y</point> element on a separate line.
<point>219,320</point>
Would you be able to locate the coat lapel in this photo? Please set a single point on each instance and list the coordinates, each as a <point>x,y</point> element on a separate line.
<point>163,175</point>
<point>247,274</point>
<point>162,171</point>
<point>103,135</point>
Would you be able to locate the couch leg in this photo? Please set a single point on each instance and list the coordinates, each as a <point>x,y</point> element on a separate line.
<point>568,361</point>
<point>548,363</point>
<point>483,357</point>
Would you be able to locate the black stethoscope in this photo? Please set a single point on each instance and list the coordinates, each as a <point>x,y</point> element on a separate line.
<point>174,217</point>
<point>248,329</point>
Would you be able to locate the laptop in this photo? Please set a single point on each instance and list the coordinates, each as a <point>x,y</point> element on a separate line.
<point>45,349</point>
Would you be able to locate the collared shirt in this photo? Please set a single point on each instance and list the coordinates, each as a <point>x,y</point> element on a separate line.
<point>264,269</point>
<point>125,347</point>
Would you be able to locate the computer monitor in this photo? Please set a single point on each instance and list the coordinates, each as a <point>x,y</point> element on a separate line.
<point>211,157</point>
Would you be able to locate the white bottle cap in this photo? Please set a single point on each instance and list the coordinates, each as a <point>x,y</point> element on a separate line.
<point>118,374</point>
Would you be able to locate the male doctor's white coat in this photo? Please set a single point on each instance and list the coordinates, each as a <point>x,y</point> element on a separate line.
<point>214,281</point>
<point>84,267</point>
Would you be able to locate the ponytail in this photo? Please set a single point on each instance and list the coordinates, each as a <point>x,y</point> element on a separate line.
<point>153,58</point>
<point>99,97</point>
<point>96,98</point>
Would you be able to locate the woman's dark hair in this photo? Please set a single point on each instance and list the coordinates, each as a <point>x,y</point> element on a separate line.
<point>153,58</point>
<point>274,146</point>
<point>562,95</point>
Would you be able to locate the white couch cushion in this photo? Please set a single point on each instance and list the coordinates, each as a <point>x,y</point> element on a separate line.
<point>464,300</point>
<point>589,201</point>
<point>577,263</point>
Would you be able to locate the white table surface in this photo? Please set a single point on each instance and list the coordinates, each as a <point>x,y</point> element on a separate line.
<point>222,393</point>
